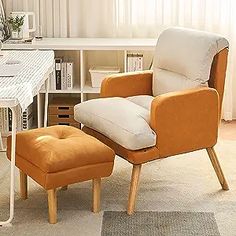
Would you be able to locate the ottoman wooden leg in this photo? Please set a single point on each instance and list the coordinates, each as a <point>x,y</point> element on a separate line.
<point>23,185</point>
<point>52,206</point>
<point>96,194</point>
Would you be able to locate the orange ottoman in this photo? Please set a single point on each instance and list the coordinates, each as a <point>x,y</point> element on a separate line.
<point>58,156</point>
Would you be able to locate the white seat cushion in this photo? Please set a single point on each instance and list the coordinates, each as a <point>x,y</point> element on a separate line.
<point>118,119</point>
<point>187,56</point>
<point>144,101</point>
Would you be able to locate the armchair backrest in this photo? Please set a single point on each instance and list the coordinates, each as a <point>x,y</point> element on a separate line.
<point>186,58</point>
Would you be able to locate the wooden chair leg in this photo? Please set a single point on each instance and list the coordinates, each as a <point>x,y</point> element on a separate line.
<point>96,194</point>
<point>216,165</point>
<point>52,206</point>
<point>133,188</point>
<point>23,185</point>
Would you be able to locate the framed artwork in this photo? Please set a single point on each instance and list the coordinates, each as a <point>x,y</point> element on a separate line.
<point>4,28</point>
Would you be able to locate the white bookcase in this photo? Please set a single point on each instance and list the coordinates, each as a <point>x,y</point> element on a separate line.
<point>87,52</point>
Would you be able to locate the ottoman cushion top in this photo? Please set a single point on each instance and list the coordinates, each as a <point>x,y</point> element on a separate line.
<point>58,148</point>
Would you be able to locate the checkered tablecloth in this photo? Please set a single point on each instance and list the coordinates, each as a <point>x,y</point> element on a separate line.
<point>34,68</point>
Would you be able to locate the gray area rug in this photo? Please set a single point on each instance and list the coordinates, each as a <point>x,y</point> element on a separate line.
<point>159,224</point>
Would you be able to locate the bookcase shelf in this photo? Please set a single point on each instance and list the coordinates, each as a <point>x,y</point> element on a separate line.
<point>75,90</point>
<point>87,52</point>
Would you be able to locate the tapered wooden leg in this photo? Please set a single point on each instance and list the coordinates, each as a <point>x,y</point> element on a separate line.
<point>96,194</point>
<point>23,185</point>
<point>216,165</point>
<point>52,206</point>
<point>133,188</point>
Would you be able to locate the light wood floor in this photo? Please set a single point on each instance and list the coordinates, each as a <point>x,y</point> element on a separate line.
<point>227,130</point>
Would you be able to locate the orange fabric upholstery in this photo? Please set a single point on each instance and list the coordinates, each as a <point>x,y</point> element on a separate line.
<point>218,72</point>
<point>185,121</point>
<point>61,155</point>
<point>127,84</point>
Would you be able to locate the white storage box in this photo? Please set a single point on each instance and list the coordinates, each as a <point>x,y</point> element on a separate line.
<point>98,73</point>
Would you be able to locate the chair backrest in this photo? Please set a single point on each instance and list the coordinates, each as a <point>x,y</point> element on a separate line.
<point>186,58</point>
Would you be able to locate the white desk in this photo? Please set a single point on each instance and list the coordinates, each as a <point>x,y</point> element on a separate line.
<point>18,92</point>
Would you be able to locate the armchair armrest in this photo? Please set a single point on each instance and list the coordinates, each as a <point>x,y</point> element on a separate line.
<point>127,84</point>
<point>185,121</point>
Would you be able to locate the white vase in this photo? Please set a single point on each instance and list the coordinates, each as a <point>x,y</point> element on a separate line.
<point>16,34</point>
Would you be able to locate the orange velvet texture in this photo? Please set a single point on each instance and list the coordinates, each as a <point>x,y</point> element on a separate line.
<point>218,73</point>
<point>127,84</point>
<point>56,149</point>
<point>185,121</point>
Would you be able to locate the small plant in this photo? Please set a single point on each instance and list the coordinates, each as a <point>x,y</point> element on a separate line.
<point>16,22</point>
<point>4,27</point>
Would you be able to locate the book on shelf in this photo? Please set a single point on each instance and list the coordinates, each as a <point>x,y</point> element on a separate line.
<point>69,77</point>
<point>58,66</point>
<point>24,122</point>
<point>134,62</point>
<point>62,77</point>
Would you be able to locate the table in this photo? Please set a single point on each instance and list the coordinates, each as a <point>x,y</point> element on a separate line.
<point>17,93</point>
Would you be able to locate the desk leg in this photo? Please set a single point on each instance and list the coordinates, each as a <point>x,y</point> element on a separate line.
<point>12,180</point>
<point>46,103</point>
<point>39,111</point>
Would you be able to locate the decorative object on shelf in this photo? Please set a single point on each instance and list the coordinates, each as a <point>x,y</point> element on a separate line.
<point>61,111</point>
<point>25,27</point>
<point>39,33</point>
<point>18,41</point>
<point>98,73</point>
<point>16,23</point>
<point>4,28</point>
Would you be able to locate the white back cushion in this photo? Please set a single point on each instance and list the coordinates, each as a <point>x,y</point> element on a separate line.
<point>183,59</point>
<point>144,101</point>
<point>118,119</point>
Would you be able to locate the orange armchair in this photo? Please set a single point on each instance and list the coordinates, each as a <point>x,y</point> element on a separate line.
<point>184,121</point>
